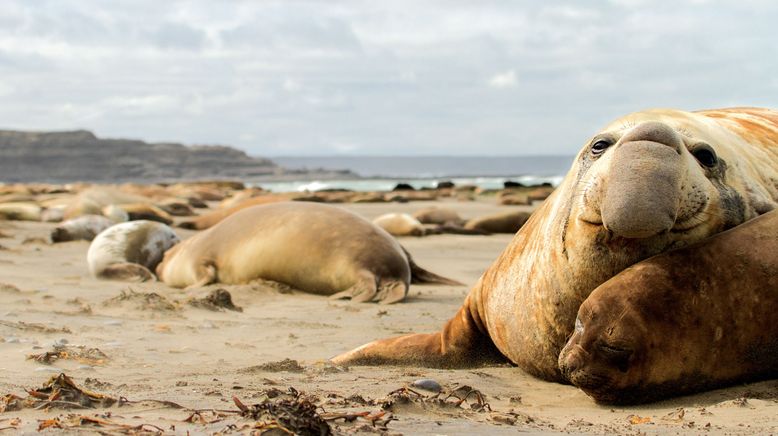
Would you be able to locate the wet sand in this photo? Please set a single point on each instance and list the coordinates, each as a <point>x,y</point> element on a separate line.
<point>157,346</point>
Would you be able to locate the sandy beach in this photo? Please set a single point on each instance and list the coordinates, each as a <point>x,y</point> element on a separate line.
<point>159,351</point>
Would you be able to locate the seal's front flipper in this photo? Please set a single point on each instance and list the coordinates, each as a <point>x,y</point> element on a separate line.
<point>128,272</point>
<point>461,344</point>
<point>364,290</point>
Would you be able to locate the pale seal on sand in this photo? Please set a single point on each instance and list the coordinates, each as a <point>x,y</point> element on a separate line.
<point>312,247</point>
<point>438,215</point>
<point>20,211</point>
<point>503,222</point>
<point>85,227</point>
<point>649,182</point>
<point>696,318</point>
<point>130,251</point>
<point>400,224</point>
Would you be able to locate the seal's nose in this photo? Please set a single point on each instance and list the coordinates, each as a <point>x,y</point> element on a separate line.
<point>654,131</point>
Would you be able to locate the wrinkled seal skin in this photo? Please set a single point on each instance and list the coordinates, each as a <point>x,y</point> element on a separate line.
<point>313,247</point>
<point>647,183</point>
<point>129,251</point>
<point>691,319</point>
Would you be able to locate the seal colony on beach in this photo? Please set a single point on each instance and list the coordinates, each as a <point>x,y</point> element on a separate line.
<point>647,183</point>
<point>313,247</point>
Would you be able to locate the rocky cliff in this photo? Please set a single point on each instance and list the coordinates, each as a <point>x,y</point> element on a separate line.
<point>81,156</point>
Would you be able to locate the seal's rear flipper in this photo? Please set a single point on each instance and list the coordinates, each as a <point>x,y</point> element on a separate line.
<point>461,344</point>
<point>421,275</point>
<point>129,272</point>
<point>364,290</point>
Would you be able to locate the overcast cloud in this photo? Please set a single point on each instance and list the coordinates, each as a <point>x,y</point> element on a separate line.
<point>377,78</point>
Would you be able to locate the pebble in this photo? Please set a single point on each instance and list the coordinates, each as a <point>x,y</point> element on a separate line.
<point>112,322</point>
<point>86,367</point>
<point>61,342</point>
<point>427,384</point>
<point>49,369</point>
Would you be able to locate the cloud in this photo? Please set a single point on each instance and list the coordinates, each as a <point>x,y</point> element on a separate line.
<point>402,77</point>
<point>503,80</point>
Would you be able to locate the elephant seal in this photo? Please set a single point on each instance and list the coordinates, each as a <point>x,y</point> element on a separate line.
<point>20,211</point>
<point>85,227</point>
<point>400,224</point>
<point>129,251</point>
<point>503,222</point>
<point>691,319</point>
<point>210,219</point>
<point>649,182</point>
<point>438,215</point>
<point>313,247</point>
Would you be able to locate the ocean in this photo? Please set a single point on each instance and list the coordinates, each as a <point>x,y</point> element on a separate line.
<point>383,173</point>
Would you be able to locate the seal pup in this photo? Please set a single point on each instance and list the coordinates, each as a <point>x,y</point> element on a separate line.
<point>687,320</point>
<point>129,251</point>
<point>647,183</point>
<point>85,227</point>
<point>313,247</point>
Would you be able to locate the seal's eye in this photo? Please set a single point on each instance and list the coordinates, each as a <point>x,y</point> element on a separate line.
<point>599,146</point>
<point>705,155</point>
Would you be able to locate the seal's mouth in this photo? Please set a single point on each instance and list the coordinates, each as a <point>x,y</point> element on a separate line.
<point>691,220</point>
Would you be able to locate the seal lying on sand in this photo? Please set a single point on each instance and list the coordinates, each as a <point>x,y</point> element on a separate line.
<point>503,222</point>
<point>695,318</point>
<point>647,183</point>
<point>130,251</point>
<point>400,224</point>
<point>313,247</point>
<point>85,227</point>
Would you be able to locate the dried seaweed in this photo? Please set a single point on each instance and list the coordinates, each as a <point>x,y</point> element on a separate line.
<point>216,300</point>
<point>61,392</point>
<point>290,413</point>
<point>35,327</point>
<point>89,356</point>
<point>446,398</point>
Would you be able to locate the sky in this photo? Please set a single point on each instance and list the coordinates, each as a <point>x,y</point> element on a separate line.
<point>377,78</point>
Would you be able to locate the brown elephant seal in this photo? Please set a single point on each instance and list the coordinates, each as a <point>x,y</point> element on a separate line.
<point>313,247</point>
<point>649,182</point>
<point>85,227</point>
<point>210,219</point>
<point>400,224</point>
<point>687,320</point>
<point>146,211</point>
<point>438,215</point>
<point>503,222</point>
<point>129,251</point>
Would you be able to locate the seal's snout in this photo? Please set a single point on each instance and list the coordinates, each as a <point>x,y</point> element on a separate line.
<point>643,187</point>
<point>655,132</point>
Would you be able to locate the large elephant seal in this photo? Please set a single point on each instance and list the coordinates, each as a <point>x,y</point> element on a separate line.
<point>313,247</point>
<point>649,182</point>
<point>130,251</point>
<point>695,318</point>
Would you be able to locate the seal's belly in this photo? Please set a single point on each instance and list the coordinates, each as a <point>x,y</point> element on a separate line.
<point>279,258</point>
